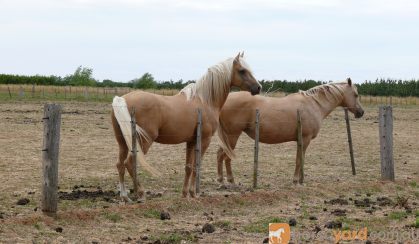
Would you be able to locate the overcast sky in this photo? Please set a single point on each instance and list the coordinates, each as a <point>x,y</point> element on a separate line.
<point>179,39</point>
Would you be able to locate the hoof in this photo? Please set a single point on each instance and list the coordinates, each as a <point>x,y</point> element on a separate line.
<point>126,199</point>
<point>231,181</point>
<point>220,180</point>
<point>184,194</point>
<point>222,187</point>
<point>192,194</point>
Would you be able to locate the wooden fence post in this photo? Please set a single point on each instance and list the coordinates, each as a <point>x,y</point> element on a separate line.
<point>351,150</point>
<point>386,142</point>
<point>134,148</point>
<point>21,92</point>
<point>256,152</point>
<point>50,152</point>
<point>300,144</point>
<point>10,94</point>
<point>33,90</point>
<point>198,152</point>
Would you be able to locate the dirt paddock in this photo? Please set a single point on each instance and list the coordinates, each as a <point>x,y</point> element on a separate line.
<point>90,210</point>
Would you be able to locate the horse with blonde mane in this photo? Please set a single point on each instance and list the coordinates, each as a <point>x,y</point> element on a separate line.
<point>173,119</point>
<point>278,119</point>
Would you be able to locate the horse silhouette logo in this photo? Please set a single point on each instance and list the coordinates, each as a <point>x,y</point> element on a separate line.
<point>279,233</point>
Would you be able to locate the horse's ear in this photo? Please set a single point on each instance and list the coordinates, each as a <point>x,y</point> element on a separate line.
<point>237,58</point>
<point>349,81</point>
<point>242,55</point>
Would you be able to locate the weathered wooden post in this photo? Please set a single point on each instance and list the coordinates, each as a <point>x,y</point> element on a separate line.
<point>351,150</point>
<point>134,148</point>
<point>10,94</point>
<point>33,90</point>
<point>386,142</point>
<point>256,151</point>
<point>300,145</point>
<point>198,152</point>
<point>50,152</point>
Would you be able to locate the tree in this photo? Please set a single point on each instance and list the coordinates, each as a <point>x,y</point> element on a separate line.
<point>145,82</point>
<point>81,77</point>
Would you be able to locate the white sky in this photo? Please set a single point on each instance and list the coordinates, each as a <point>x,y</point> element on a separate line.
<point>282,39</point>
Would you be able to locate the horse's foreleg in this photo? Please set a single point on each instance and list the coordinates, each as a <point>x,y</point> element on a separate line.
<point>190,156</point>
<point>192,186</point>
<point>220,159</point>
<point>123,151</point>
<point>298,177</point>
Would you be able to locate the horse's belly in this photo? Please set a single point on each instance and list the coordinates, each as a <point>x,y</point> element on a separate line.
<point>172,138</point>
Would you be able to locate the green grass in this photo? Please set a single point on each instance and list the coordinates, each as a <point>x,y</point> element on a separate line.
<point>224,224</point>
<point>175,238</point>
<point>261,226</point>
<point>397,215</point>
<point>114,217</point>
<point>413,184</point>
<point>152,214</point>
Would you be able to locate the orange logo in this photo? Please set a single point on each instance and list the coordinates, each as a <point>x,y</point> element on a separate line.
<point>279,233</point>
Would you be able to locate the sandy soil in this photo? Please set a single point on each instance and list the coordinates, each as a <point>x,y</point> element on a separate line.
<point>87,163</point>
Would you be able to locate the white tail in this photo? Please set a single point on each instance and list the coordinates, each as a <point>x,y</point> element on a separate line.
<point>123,117</point>
<point>223,140</point>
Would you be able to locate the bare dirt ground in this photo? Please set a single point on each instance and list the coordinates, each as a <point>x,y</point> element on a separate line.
<point>90,210</point>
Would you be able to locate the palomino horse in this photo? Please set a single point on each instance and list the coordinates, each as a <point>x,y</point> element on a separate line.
<point>173,119</point>
<point>315,104</point>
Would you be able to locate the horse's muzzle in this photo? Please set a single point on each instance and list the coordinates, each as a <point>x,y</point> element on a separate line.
<point>359,114</point>
<point>255,89</point>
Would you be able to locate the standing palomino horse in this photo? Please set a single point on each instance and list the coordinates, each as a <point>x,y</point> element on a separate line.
<point>315,104</point>
<point>173,119</point>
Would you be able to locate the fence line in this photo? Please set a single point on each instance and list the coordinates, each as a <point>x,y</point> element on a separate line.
<point>87,93</point>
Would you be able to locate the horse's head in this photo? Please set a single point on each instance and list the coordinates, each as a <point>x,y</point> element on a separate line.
<point>242,77</point>
<point>351,99</point>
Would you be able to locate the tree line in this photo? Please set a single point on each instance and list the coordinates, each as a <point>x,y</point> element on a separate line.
<point>83,77</point>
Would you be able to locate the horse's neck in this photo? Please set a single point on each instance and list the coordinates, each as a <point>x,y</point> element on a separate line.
<point>326,106</point>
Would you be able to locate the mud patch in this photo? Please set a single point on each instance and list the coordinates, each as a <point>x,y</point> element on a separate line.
<point>336,201</point>
<point>79,193</point>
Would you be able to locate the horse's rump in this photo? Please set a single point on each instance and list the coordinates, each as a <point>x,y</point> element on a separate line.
<point>123,117</point>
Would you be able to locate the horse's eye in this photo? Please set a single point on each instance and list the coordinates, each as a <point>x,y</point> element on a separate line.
<point>242,71</point>
<point>356,95</point>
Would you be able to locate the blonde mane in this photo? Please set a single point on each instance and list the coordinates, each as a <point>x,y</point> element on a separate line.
<point>213,87</point>
<point>331,91</point>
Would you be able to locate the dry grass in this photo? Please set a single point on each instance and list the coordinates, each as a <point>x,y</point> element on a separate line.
<point>88,156</point>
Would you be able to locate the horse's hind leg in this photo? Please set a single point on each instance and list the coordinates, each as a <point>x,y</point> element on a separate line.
<point>233,142</point>
<point>123,151</point>
<point>229,171</point>
<point>220,159</point>
<point>298,177</point>
<point>190,158</point>
<point>204,147</point>
<point>130,167</point>
<point>129,164</point>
